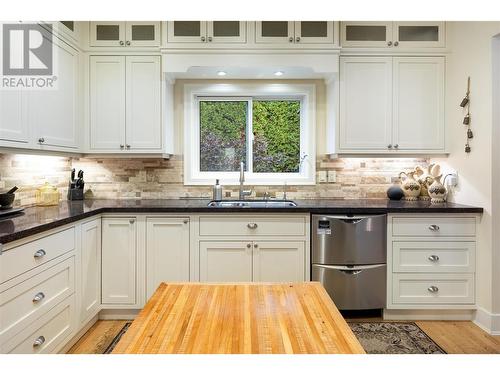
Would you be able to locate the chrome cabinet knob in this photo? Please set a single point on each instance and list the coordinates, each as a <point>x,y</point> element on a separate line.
<point>121,43</point>
<point>290,39</point>
<point>297,39</point>
<point>434,227</point>
<point>122,146</point>
<point>185,221</point>
<point>131,221</point>
<point>209,38</point>
<point>396,43</point>
<point>38,297</point>
<point>389,43</point>
<point>128,147</point>
<point>40,253</point>
<point>41,140</point>
<point>128,43</point>
<point>203,39</point>
<point>39,341</point>
<point>255,245</point>
<point>389,146</point>
<point>433,258</point>
<point>396,146</point>
<point>433,289</point>
<point>252,225</point>
<point>249,245</point>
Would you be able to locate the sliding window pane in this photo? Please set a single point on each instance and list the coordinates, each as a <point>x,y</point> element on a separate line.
<point>223,126</point>
<point>276,129</point>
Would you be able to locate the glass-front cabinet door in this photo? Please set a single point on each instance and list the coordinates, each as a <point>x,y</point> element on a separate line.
<point>314,32</point>
<point>366,34</point>
<point>274,32</point>
<point>187,31</point>
<point>419,34</point>
<point>107,34</point>
<point>145,34</point>
<point>226,32</point>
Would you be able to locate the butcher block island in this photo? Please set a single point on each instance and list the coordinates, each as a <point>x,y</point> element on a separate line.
<point>245,318</point>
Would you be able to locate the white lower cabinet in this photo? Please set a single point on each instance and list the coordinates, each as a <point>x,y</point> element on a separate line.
<point>226,261</point>
<point>431,262</point>
<point>90,250</point>
<point>279,261</point>
<point>119,261</point>
<point>167,251</point>
<point>258,248</point>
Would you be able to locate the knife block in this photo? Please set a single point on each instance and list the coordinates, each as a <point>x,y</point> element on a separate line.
<point>75,194</point>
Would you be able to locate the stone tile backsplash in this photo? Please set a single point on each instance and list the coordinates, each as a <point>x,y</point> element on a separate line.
<point>157,178</point>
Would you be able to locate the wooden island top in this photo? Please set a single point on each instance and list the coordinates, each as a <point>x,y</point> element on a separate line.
<point>260,318</point>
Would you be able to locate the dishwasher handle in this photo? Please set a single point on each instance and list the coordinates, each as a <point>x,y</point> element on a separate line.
<point>353,270</point>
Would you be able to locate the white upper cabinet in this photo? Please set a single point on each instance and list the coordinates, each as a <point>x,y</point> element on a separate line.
<point>143,107</point>
<point>295,33</point>
<point>13,117</point>
<point>107,102</point>
<point>53,114</point>
<point>365,103</point>
<point>206,32</point>
<point>394,35</point>
<point>167,251</point>
<point>391,104</point>
<point>124,34</point>
<point>418,103</point>
<point>125,106</point>
<point>119,261</point>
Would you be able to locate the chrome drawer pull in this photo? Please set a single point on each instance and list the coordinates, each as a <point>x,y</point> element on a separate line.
<point>434,227</point>
<point>433,258</point>
<point>252,225</point>
<point>39,341</point>
<point>38,297</point>
<point>433,289</point>
<point>40,253</point>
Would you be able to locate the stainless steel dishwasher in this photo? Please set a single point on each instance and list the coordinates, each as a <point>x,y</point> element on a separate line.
<point>349,258</point>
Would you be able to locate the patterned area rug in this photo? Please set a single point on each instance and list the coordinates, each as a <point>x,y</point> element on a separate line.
<point>394,338</point>
<point>117,338</point>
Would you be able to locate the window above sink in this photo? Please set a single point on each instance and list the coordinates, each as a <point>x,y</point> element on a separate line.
<point>268,126</point>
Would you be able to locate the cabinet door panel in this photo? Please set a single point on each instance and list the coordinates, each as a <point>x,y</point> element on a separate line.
<point>279,261</point>
<point>54,113</point>
<point>187,31</point>
<point>418,104</point>
<point>226,31</point>
<point>419,34</point>
<point>225,261</point>
<point>366,34</point>
<point>143,107</point>
<point>13,121</point>
<point>143,34</point>
<point>119,259</point>
<point>314,32</point>
<point>167,251</point>
<point>107,34</point>
<point>107,102</point>
<point>90,270</point>
<point>274,32</point>
<point>365,103</point>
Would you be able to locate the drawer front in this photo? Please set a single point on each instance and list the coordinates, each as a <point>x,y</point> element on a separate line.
<point>429,289</point>
<point>229,225</point>
<point>434,226</point>
<point>46,335</point>
<point>29,300</point>
<point>452,257</point>
<point>23,258</point>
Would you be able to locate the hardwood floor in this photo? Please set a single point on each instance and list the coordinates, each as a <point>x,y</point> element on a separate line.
<point>98,337</point>
<point>454,337</point>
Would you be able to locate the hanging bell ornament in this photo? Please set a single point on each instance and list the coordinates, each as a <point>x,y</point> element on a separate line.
<point>470,135</point>
<point>467,148</point>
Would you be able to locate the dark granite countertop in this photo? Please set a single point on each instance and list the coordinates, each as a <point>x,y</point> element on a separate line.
<point>38,219</point>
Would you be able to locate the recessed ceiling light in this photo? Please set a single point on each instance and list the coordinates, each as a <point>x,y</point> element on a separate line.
<point>278,73</point>
<point>221,73</point>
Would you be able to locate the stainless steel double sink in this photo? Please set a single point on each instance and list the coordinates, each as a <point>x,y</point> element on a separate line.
<point>252,204</point>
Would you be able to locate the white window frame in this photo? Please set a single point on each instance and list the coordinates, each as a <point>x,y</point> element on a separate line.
<point>194,93</point>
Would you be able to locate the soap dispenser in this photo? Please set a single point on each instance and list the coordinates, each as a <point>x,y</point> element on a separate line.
<point>217,194</point>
